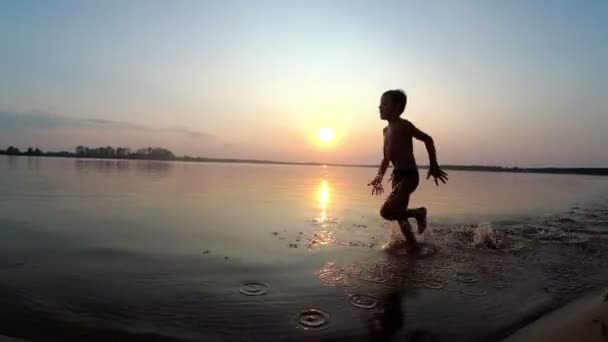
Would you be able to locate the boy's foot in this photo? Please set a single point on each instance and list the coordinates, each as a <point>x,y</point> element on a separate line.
<point>421,220</point>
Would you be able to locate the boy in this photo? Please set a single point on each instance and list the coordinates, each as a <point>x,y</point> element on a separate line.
<point>398,149</point>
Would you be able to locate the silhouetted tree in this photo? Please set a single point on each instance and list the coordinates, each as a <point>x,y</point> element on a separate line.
<point>154,153</point>
<point>12,150</point>
<point>162,153</point>
<point>122,152</point>
<point>80,151</point>
<point>37,152</point>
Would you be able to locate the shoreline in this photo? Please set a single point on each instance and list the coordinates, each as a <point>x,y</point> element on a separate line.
<point>472,168</point>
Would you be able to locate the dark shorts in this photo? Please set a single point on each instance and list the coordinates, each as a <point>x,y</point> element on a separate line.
<point>404,183</point>
<point>408,178</point>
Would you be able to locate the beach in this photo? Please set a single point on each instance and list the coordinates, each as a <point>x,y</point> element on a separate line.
<point>584,319</point>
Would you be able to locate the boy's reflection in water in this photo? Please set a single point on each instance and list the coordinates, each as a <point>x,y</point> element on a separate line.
<point>391,318</point>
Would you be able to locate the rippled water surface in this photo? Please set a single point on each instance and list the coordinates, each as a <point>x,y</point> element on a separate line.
<point>190,251</point>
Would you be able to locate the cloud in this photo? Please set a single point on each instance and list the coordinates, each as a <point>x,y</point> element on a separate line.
<point>191,133</point>
<point>16,121</point>
<point>57,132</point>
<point>10,121</point>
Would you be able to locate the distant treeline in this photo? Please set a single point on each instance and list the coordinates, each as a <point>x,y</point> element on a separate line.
<point>151,153</point>
<point>159,153</point>
<point>557,170</point>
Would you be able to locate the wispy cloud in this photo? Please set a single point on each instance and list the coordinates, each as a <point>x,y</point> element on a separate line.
<point>21,121</point>
<point>60,132</point>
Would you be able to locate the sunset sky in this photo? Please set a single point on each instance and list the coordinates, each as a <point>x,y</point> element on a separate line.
<point>494,82</point>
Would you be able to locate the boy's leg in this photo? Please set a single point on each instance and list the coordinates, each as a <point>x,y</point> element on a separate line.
<point>406,230</point>
<point>392,209</point>
<point>420,215</point>
<point>409,186</point>
<point>405,226</point>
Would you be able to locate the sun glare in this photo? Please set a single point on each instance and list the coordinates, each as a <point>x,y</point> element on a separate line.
<point>326,134</point>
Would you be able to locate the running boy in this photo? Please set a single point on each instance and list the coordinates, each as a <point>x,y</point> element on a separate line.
<point>398,150</point>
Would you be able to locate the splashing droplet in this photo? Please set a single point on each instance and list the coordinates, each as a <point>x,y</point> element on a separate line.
<point>254,289</point>
<point>313,318</point>
<point>426,250</point>
<point>363,301</point>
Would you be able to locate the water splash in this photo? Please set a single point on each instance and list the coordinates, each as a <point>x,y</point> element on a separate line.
<point>484,235</point>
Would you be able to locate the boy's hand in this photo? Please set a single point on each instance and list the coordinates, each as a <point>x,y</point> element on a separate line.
<point>437,173</point>
<point>376,183</point>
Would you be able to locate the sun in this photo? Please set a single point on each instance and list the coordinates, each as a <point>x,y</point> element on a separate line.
<point>326,134</point>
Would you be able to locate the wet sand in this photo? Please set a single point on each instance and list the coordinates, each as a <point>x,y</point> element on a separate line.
<point>585,319</point>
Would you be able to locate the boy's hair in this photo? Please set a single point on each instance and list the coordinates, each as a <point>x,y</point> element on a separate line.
<point>398,97</point>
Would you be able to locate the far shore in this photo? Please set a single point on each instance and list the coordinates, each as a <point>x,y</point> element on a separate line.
<point>476,168</point>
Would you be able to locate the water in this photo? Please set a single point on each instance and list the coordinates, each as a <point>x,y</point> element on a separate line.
<point>161,250</point>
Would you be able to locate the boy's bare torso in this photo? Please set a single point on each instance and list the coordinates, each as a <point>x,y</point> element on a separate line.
<point>398,144</point>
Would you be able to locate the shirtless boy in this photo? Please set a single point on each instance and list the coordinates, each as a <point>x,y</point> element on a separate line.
<point>398,150</point>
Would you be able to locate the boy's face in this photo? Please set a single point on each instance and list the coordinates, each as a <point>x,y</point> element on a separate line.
<point>387,108</point>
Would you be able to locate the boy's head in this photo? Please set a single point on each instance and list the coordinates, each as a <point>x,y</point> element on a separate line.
<point>392,104</point>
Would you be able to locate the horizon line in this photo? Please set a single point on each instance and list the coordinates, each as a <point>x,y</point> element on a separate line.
<point>469,167</point>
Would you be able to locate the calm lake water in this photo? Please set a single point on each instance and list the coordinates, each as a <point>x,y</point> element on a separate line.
<point>160,249</point>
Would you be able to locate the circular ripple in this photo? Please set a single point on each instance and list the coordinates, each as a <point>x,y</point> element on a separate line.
<point>501,285</point>
<point>363,301</point>
<point>475,292</point>
<point>254,289</point>
<point>452,288</point>
<point>466,278</point>
<point>435,285</point>
<point>313,318</point>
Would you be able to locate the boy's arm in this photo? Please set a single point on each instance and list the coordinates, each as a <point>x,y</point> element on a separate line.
<point>428,143</point>
<point>434,169</point>
<point>383,167</point>
<point>385,157</point>
<point>376,183</point>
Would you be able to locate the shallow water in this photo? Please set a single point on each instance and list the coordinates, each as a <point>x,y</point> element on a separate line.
<point>159,250</point>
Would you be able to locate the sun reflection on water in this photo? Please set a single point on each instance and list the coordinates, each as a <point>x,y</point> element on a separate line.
<point>323,201</point>
<point>325,235</point>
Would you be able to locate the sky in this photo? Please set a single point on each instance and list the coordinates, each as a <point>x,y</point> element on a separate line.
<point>511,83</point>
